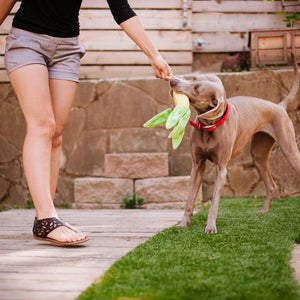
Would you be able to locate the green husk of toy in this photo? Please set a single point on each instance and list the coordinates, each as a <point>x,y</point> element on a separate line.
<point>176,119</point>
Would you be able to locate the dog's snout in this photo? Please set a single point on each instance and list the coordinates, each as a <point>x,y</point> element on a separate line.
<point>174,82</point>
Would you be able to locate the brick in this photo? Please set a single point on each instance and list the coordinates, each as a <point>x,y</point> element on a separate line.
<point>136,165</point>
<point>168,192</point>
<point>101,192</point>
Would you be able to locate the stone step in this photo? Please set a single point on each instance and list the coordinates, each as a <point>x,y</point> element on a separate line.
<point>136,165</point>
<point>165,192</point>
<point>158,193</point>
<point>91,192</point>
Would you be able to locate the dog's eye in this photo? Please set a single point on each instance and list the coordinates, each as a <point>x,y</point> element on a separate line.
<point>194,79</point>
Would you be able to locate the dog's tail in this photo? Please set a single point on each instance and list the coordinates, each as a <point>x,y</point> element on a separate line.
<point>292,94</point>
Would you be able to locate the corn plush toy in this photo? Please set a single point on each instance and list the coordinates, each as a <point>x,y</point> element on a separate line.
<point>176,119</point>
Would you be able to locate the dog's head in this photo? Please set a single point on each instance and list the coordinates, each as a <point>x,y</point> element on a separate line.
<point>206,93</point>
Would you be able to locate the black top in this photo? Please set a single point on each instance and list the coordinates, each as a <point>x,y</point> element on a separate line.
<point>59,18</point>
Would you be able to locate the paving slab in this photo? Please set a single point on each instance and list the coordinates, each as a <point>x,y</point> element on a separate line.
<point>30,269</point>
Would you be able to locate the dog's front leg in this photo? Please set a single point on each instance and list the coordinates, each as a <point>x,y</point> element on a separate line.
<point>213,210</point>
<point>195,182</point>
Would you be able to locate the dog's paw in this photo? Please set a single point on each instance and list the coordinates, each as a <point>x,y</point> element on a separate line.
<point>183,224</point>
<point>210,228</point>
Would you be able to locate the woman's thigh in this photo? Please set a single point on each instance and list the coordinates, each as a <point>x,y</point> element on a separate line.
<point>62,97</point>
<point>31,84</point>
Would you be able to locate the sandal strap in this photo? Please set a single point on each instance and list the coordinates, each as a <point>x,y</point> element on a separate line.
<point>41,228</point>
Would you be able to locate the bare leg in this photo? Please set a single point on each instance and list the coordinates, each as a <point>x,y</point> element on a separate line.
<point>213,210</point>
<point>32,89</point>
<point>195,183</point>
<point>261,147</point>
<point>62,97</point>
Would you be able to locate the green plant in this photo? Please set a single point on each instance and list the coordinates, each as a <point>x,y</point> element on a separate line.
<point>29,203</point>
<point>132,201</point>
<point>291,19</point>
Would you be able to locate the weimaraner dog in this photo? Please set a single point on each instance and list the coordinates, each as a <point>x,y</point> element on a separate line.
<point>223,128</point>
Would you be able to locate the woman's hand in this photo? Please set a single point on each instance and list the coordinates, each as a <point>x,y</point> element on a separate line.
<point>161,68</point>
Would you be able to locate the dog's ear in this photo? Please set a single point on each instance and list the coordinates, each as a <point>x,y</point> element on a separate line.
<point>215,101</point>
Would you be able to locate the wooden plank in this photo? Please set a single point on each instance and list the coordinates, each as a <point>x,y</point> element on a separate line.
<point>220,22</point>
<point>151,19</point>
<point>221,42</point>
<point>102,19</point>
<point>118,40</point>
<point>239,6</point>
<point>33,269</point>
<point>37,295</point>
<point>101,72</point>
<point>132,58</point>
<point>169,4</point>
<point>3,76</point>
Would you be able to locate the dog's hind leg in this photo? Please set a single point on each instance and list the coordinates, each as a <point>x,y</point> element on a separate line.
<point>261,146</point>
<point>195,182</point>
<point>213,210</point>
<point>285,137</point>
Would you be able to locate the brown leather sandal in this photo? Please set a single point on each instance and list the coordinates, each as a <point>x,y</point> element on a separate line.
<point>41,229</point>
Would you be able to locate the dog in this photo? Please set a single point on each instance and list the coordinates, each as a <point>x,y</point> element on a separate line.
<point>224,127</point>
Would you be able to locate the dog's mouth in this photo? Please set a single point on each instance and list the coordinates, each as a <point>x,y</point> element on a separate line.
<point>172,95</point>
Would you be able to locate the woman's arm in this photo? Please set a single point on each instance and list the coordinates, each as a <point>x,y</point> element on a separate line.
<point>135,30</point>
<point>5,8</point>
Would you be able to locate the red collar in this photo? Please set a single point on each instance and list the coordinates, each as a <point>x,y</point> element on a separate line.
<point>212,127</point>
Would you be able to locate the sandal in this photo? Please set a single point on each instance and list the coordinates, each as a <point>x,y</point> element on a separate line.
<point>41,229</point>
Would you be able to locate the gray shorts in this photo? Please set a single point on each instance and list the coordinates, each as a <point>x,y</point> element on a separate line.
<point>60,55</point>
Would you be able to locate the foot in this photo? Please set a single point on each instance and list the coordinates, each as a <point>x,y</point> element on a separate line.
<point>185,222</point>
<point>210,227</point>
<point>56,230</point>
<point>65,234</point>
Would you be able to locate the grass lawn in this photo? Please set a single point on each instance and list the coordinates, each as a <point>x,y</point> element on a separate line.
<point>247,259</point>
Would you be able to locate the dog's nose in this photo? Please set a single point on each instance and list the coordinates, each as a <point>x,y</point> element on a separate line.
<point>173,82</point>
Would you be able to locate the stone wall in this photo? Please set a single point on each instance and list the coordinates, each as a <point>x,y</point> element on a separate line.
<point>107,117</point>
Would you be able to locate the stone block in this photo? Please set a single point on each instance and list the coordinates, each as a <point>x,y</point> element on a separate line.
<point>65,191</point>
<point>131,140</point>
<point>164,192</point>
<point>87,157</point>
<point>13,126</point>
<point>121,106</point>
<point>136,165</point>
<point>85,94</point>
<point>101,192</point>
<point>74,129</point>
<point>4,185</point>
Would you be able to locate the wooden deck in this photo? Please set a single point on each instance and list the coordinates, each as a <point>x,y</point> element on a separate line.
<point>33,270</point>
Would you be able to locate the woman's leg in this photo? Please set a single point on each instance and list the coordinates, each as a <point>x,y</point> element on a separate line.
<point>62,97</point>
<point>31,85</point>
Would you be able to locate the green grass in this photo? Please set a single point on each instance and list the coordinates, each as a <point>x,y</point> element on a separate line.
<point>247,259</point>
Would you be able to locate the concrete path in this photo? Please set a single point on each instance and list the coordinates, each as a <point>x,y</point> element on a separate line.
<point>295,262</point>
<point>33,270</point>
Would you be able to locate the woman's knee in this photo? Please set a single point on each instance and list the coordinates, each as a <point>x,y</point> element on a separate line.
<point>57,137</point>
<point>45,127</point>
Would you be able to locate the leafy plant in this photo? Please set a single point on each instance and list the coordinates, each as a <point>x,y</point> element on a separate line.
<point>291,19</point>
<point>132,201</point>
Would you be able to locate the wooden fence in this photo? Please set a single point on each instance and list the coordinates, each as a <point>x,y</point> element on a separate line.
<point>213,26</point>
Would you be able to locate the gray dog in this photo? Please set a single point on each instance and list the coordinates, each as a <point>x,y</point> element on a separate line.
<point>224,127</point>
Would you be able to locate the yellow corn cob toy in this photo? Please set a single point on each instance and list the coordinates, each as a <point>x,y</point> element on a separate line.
<point>181,99</point>
<point>176,119</point>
